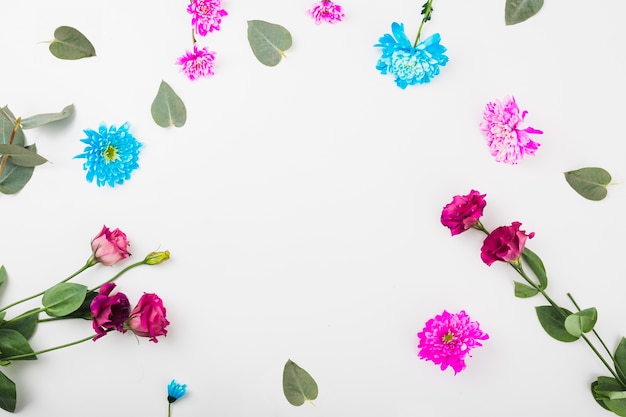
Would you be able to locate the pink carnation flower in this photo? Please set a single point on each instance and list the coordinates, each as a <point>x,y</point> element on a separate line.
<point>326,10</point>
<point>207,15</point>
<point>448,338</point>
<point>197,63</point>
<point>463,212</point>
<point>507,142</point>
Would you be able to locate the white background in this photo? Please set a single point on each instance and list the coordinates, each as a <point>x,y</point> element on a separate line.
<point>301,207</point>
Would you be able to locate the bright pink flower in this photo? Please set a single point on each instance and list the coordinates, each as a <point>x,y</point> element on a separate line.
<point>207,15</point>
<point>505,243</point>
<point>326,10</point>
<point>109,247</point>
<point>463,212</point>
<point>507,142</point>
<point>448,338</point>
<point>109,312</point>
<point>197,63</point>
<point>148,318</point>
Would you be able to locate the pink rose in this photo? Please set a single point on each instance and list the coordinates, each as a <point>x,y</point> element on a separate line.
<point>148,318</point>
<point>463,212</point>
<point>110,247</point>
<point>505,243</point>
<point>109,312</point>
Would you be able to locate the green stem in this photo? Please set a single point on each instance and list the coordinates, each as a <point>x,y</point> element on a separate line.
<point>25,355</point>
<point>89,264</point>
<point>518,267</point>
<point>169,409</point>
<point>593,330</point>
<point>427,11</point>
<point>123,271</point>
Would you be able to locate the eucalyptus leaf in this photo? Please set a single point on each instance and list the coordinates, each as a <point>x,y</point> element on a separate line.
<point>517,11</point>
<point>13,178</point>
<point>268,41</point>
<point>13,343</point>
<point>8,394</point>
<point>69,43</point>
<point>25,323</point>
<point>620,360</point>
<point>590,182</point>
<point>524,291</point>
<point>45,118</point>
<point>167,108</point>
<point>553,322</point>
<point>536,265</point>
<point>21,156</point>
<point>298,385</point>
<point>63,298</point>
<point>3,275</point>
<point>581,322</point>
<point>8,115</point>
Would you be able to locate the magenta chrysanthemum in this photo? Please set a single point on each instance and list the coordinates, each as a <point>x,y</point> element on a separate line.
<point>507,142</point>
<point>326,11</point>
<point>207,15</point>
<point>197,63</point>
<point>448,338</point>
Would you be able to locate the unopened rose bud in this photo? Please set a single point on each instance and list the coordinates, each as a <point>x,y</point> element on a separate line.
<point>154,258</point>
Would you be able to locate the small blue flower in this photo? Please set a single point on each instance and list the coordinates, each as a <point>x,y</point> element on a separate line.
<point>175,391</point>
<point>410,65</point>
<point>111,154</point>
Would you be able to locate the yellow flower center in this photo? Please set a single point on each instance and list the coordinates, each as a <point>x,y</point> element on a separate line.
<point>448,338</point>
<point>110,154</point>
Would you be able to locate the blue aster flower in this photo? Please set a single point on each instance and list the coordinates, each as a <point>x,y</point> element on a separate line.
<point>175,391</point>
<point>410,64</point>
<point>111,154</point>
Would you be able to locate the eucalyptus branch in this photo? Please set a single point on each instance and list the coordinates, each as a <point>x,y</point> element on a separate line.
<point>13,132</point>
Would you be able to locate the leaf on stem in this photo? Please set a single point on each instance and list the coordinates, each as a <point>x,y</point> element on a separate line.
<point>13,343</point>
<point>610,394</point>
<point>63,298</point>
<point>536,265</point>
<point>517,11</point>
<point>298,385</point>
<point>167,108</point>
<point>581,322</point>
<point>620,360</point>
<point>13,177</point>
<point>8,394</point>
<point>268,41</point>
<point>590,182</point>
<point>3,275</point>
<point>69,43</point>
<point>45,118</point>
<point>524,291</point>
<point>553,322</point>
<point>25,323</point>
<point>21,156</point>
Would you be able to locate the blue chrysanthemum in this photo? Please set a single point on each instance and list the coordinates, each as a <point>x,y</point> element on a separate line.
<point>410,65</point>
<point>111,154</point>
<point>175,391</point>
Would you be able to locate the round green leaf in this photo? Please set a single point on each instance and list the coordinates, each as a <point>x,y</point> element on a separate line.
<point>298,385</point>
<point>167,108</point>
<point>69,43</point>
<point>589,182</point>
<point>581,322</point>
<point>63,298</point>
<point>517,11</point>
<point>268,41</point>
<point>553,322</point>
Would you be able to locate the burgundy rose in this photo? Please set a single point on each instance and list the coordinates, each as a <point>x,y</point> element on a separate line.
<point>463,212</point>
<point>505,243</point>
<point>109,312</point>
<point>110,247</point>
<point>148,318</point>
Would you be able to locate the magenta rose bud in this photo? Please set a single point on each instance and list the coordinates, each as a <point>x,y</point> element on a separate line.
<point>505,243</point>
<point>109,312</point>
<point>463,212</point>
<point>148,318</point>
<point>110,247</point>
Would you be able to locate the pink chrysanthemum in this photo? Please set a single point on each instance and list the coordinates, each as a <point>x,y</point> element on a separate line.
<point>507,142</point>
<point>197,63</point>
<point>207,15</point>
<point>448,338</point>
<point>326,10</point>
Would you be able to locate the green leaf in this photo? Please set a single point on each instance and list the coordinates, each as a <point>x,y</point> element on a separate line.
<point>64,298</point>
<point>589,182</point>
<point>22,156</point>
<point>516,11</point>
<point>536,265</point>
<point>167,108</point>
<point>610,394</point>
<point>524,291</point>
<point>25,324</point>
<point>42,119</point>
<point>13,178</point>
<point>84,311</point>
<point>3,275</point>
<point>298,385</point>
<point>8,394</point>
<point>553,322</point>
<point>8,115</point>
<point>69,43</point>
<point>581,322</point>
<point>620,360</point>
<point>268,41</point>
<point>13,343</point>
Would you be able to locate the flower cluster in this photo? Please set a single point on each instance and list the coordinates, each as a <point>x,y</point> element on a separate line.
<point>447,340</point>
<point>206,18</point>
<point>111,154</point>
<point>107,310</point>
<point>507,141</point>
<point>326,11</point>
